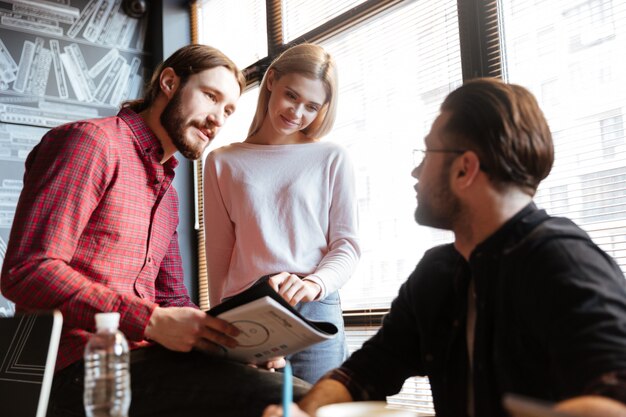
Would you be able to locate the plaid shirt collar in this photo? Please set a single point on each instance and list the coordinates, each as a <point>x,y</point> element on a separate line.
<point>147,142</point>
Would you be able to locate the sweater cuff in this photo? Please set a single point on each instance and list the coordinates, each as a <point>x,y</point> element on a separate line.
<point>318,281</point>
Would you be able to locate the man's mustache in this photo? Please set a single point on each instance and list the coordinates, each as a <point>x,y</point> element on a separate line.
<point>208,128</point>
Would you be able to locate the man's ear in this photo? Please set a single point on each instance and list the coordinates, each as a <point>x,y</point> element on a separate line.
<point>466,168</point>
<point>168,82</point>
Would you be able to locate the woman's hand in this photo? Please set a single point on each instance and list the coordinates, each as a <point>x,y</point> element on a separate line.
<point>294,289</point>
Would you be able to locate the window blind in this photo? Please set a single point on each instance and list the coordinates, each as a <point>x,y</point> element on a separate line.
<point>241,36</point>
<point>415,394</point>
<point>571,56</point>
<point>480,42</point>
<point>302,16</point>
<point>394,71</point>
<point>397,61</point>
<point>395,67</point>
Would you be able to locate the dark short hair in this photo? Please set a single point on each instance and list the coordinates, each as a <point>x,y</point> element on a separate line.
<point>186,61</point>
<point>504,125</point>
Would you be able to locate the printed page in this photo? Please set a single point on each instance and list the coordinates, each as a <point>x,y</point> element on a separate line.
<point>269,330</point>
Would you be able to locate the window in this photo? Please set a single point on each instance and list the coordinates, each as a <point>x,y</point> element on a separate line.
<point>584,104</point>
<point>589,23</point>
<point>215,22</point>
<point>302,16</point>
<point>385,110</point>
<point>392,80</point>
<point>612,135</point>
<point>398,59</point>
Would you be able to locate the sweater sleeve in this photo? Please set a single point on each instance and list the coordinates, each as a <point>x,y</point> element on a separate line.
<point>339,263</point>
<point>219,232</point>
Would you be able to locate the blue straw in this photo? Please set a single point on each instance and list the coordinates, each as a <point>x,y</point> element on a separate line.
<point>287,389</point>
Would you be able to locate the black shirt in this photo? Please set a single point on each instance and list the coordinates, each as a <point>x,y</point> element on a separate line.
<point>551,322</point>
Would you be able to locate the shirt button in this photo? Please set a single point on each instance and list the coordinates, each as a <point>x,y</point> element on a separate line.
<point>149,259</point>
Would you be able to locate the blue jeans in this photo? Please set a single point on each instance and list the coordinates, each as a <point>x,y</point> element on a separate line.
<point>173,384</point>
<point>312,363</point>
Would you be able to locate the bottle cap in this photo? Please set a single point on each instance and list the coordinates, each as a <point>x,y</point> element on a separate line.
<point>109,321</point>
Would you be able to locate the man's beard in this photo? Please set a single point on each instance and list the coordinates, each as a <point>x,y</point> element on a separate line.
<point>438,207</point>
<point>176,125</point>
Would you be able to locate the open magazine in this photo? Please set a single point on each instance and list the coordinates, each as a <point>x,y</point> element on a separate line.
<point>269,326</point>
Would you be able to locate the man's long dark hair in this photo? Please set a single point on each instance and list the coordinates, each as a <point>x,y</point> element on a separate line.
<point>186,61</point>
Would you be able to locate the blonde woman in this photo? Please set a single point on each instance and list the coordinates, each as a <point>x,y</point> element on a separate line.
<point>283,202</point>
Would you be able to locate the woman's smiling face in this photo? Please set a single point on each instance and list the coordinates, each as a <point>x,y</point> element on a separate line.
<point>294,103</point>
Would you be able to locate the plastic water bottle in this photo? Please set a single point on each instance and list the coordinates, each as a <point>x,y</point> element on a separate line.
<point>107,370</point>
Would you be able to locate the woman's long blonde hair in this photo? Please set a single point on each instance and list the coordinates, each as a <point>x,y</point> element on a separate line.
<point>311,61</point>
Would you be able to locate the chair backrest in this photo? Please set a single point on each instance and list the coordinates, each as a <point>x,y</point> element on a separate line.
<point>28,351</point>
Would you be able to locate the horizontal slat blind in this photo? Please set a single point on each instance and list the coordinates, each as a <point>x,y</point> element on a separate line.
<point>394,71</point>
<point>301,16</point>
<point>241,36</point>
<point>571,55</point>
<point>415,394</point>
<point>395,68</point>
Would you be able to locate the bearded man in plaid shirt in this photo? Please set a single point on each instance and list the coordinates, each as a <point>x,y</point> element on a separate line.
<point>95,231</point>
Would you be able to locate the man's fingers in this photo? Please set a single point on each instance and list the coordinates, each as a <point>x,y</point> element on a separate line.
<point>219,331</point>
<point>221,326</point>
<point>276,363</point>
<point>210,347</point>
<point>219,338</point>
<point>273,411</point>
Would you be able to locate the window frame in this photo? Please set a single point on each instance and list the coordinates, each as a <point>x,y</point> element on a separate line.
<point>480,57</point>
<point>482,53</point>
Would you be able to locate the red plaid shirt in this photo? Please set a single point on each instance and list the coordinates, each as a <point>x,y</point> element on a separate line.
<point>95,230</point>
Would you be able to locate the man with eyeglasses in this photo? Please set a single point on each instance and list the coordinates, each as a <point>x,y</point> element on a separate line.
<point>520,303</point>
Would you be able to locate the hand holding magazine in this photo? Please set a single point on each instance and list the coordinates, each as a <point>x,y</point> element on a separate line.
<point>269,326</point>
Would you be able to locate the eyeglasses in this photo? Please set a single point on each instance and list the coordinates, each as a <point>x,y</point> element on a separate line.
<point>420,154</point>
